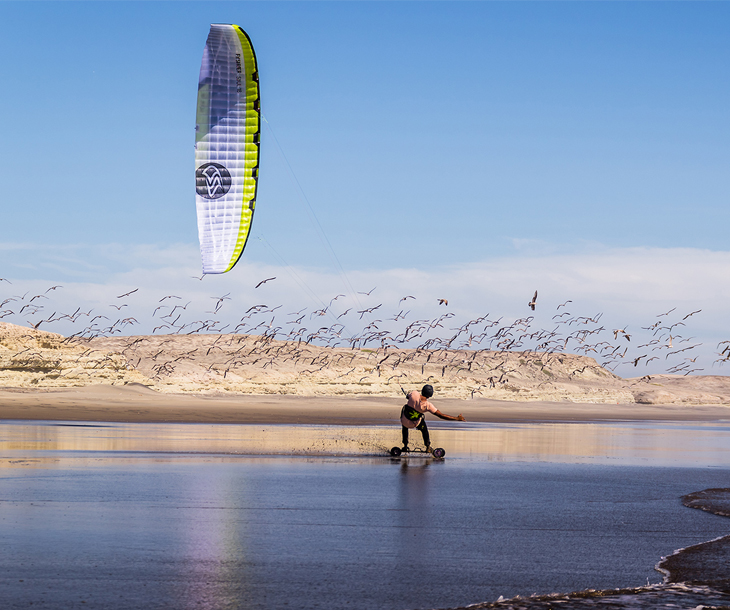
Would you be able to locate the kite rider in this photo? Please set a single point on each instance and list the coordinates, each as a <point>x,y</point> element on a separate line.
<point>413,415</point>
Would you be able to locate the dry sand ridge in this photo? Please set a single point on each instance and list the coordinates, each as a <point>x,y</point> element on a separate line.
<point>259,365</point>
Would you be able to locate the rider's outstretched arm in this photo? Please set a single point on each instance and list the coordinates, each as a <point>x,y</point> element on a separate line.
<point>443,416</point>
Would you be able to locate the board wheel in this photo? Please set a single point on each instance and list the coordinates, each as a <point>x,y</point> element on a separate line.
<point>439,453</point>
<point>396,451</point>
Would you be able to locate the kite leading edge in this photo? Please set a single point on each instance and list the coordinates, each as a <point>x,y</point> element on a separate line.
<point>227,136</point>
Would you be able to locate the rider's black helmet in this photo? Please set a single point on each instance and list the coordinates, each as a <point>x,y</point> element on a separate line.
<point>427,391</point>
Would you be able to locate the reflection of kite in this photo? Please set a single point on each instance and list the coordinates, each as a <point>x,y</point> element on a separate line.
<point>227,135</point>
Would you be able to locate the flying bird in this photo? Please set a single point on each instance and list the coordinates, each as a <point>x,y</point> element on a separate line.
<point>125,294</point>
<point>264,282</point>
<point>533,302</point>
<point>637,359</point>
<point>622,332</point>
<point>691,314</point>
<point>368,293</point>
<point>445,302</point>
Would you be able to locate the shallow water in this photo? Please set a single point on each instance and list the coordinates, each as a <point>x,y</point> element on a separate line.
<point>653,443</point>
<point>125,516</point>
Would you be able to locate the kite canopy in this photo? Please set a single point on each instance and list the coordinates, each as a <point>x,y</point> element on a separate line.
<point>227,133</point>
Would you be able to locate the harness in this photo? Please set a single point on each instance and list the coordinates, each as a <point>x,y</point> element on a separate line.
<point>411,414</point>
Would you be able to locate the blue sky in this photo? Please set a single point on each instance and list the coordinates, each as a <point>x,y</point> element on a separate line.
<point>433,137</point>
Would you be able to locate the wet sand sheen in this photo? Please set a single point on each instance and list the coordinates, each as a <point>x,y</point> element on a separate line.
<point>666,443</point>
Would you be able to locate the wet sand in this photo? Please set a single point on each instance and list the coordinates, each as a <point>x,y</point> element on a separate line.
<point>706,563</point>
<point>137,403</point>
<point>668,444</point>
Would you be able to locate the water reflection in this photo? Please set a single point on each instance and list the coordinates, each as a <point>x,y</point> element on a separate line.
<point>415,512</point>
<point>22,443</point>
<point>212,540</point>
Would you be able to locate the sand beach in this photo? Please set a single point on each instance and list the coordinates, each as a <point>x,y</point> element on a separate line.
<point>253,379</point>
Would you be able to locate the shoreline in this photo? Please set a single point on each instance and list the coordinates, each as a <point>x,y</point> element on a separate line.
<point>694,576</point>
<point>137,403</point>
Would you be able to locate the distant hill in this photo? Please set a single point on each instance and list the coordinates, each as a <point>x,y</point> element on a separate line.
<point>249,364</point>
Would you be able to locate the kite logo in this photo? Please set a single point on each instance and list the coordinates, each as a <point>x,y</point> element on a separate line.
<point>212,180</point>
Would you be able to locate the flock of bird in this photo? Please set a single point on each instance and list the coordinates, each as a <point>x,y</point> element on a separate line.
<point>267,336</point>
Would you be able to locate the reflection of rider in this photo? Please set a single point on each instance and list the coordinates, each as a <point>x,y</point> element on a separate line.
<point>412,415</point>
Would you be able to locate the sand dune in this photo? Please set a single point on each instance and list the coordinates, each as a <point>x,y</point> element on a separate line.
<point>257,365</point>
